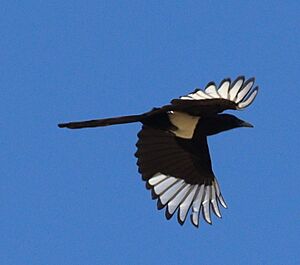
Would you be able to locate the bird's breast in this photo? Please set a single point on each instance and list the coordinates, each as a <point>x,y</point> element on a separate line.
<point>184,123</point>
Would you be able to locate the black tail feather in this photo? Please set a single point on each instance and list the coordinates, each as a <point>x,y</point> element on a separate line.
<point>101,122</point>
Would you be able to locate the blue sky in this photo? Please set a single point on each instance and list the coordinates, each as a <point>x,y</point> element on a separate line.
<point>75,197</point>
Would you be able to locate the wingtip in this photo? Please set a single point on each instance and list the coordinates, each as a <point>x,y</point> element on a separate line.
<point>252,79</point>
<point>193,223</point>
<point>167,214</point>
<point>211,83</point>
<point>159,204</point>
<point>180,221</point>
<point>240,77</point>
<point>227,79</point>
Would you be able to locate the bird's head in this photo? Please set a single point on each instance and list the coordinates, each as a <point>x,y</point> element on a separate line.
<point>222,122</point>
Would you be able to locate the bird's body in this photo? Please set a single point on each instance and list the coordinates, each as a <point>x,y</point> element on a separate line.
<point>172,150</point>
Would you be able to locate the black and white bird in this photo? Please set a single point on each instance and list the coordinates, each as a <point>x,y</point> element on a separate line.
<point>172,151</point>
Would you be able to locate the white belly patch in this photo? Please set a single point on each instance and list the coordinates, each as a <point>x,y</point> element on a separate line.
<point>184,122</point>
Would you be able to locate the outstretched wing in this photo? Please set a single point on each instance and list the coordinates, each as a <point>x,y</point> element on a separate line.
<point>238,94</point>
<point>179,173</point>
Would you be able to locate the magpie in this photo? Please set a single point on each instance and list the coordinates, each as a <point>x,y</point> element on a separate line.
<point>172,150</point>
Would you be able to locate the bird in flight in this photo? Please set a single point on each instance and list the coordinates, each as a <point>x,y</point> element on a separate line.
<point>172,150</point>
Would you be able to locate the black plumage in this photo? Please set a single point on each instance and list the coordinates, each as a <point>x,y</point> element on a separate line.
<point>172,150</point>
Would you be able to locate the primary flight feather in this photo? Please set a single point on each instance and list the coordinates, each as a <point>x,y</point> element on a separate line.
<point>172,150</point>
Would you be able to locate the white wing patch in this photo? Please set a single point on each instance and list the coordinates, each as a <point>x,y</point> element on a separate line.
<point>177,195</point>
<point>239,91</point>
<point>212,91</point>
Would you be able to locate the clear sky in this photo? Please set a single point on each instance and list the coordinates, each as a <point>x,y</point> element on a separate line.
<point>75,197</point>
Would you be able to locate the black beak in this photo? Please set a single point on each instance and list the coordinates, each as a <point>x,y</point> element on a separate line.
<point>246,124</point>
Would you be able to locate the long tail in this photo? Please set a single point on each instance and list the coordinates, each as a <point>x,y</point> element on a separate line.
<point>102,122</point>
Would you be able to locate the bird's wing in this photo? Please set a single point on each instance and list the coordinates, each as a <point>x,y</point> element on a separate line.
<point>179,173</point>
<point>238,94</point>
